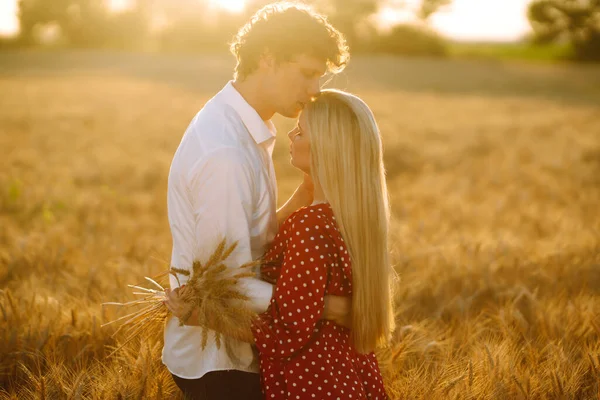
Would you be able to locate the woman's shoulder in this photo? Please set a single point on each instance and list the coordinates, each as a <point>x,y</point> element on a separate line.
<point>310,215</point>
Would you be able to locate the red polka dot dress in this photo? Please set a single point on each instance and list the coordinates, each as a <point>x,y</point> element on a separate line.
<point>302,356</point>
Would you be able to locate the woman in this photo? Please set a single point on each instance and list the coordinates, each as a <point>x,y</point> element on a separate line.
<point>337,246</point>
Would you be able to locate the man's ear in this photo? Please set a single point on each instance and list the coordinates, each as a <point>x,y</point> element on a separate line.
<point>266,61</point>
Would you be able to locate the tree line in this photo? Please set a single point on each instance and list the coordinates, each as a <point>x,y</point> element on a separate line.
<point>196,25</point>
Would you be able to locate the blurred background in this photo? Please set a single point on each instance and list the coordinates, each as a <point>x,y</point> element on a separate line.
<point>547,29</point>
<point>490,117</point>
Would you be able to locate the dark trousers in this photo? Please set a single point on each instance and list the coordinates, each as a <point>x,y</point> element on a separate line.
<point>222,385</point>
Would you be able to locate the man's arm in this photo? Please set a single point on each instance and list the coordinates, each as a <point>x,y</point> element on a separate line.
<point>221,193</point>
<point>336,307</point>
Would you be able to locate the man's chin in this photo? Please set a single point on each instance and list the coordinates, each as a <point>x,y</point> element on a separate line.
<point>291,113</point>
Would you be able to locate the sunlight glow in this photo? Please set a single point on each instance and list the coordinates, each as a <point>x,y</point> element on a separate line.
<point>119,5</point>
<point>483,20</point>
<point>234,6</point>
<point>463,20</point>
<point>389,16</point>
<point>9,23</point>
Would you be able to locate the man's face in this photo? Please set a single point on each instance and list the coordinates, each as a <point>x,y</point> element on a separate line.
<point>295,83</point>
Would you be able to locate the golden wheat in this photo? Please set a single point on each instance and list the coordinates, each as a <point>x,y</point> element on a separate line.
<point>493,172</point>
<point>212,291</point>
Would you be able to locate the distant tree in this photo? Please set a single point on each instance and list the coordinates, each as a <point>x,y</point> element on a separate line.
<point>348,16</point>
<point>353,17</point>
<point>84,23</point>
<point>67,14</point>
<point>423,10</point>
<point>188,27</point>
<point>410,40</point>
<point>574,21</point>
<point>32,13</point>
<point>195,25</point>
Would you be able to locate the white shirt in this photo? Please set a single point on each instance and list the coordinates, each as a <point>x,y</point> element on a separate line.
<point>221,185</point>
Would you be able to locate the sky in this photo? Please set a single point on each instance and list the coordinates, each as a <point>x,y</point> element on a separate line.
<point>477,20</point>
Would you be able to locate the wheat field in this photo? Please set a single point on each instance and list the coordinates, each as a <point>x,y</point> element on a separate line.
<point>494,175</point>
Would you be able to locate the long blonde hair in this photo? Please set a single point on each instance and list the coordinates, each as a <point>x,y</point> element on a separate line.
<point>347,161</point>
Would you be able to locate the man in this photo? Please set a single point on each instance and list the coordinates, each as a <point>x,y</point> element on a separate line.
<point>222,182</point>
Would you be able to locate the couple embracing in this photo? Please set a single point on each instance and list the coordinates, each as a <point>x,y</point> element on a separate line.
<point>323,292</point>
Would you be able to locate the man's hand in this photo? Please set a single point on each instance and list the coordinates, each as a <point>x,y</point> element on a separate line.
<point>178,307</point>
<point>339,310</point>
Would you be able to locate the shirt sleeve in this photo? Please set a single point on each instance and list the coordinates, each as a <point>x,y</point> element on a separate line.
<point>298,300</point>
<point>221,193</point>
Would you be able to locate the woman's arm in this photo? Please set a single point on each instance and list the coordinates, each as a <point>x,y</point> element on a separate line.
<point>299,296</point>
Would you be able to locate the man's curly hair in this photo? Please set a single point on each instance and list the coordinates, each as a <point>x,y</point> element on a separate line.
<point>285,30</point>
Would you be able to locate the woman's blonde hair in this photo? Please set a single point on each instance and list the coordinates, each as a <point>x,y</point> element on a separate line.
<point>347,161</point>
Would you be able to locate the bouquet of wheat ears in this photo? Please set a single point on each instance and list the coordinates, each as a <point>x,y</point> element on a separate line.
<point>212,289</point>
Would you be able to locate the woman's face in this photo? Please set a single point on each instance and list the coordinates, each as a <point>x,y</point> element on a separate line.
<point>300,145</point>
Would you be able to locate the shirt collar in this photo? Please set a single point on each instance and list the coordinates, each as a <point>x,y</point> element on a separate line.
<point>261,131</point>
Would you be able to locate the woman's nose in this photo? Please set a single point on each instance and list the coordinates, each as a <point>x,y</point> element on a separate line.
<point>292,133</point>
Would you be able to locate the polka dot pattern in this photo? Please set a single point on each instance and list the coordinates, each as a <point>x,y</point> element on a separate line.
<point>302,356</point>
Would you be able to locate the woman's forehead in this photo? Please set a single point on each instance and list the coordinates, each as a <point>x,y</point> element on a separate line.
<point>302,119</point>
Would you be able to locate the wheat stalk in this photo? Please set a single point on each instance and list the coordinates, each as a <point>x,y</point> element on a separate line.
<point>212,290</point>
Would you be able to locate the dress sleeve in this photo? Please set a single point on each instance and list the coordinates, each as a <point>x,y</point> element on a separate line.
<point>298,300</point>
